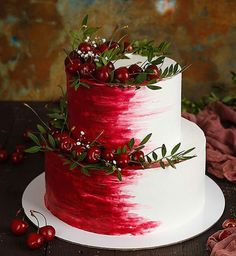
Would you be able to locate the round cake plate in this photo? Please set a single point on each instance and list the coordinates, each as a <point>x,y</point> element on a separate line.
<point>33,198</point>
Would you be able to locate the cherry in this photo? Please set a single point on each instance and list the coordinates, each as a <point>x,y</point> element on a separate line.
<point>229,223</point>
<point>3,155</point>
<point>87,69</point>
<point>20,148</point>
<point>110,66</point>
<point>16,157</point>
<point>93,155</point>
<point>137,155</point>
<point>19,227</point>
<point>73,66</point>
<point>112,45</point>
<point>103,47</point>
<point>73,55</point>
<point>48,232</point>
<point>34,240</point>
<point>153,72</point>
<point>102,74</point>
<point>78,150</point>
<point>134,70</point>
<point>67,144</point>
<point>128,47</point>
<point>60,136</point>
<point>96,51</point>
<point>223,234</point>
<point>85,47</point>
<point>108,154</point>
<point>122,160</point>
<point>122,74</point>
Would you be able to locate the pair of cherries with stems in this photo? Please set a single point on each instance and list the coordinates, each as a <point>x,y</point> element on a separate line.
<point>34,239</point>
<point>16,157</point>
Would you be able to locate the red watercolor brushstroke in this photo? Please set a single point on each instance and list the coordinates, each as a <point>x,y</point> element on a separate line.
<point>96,203</point>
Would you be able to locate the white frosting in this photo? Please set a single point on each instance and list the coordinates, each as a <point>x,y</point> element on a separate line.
<point>158,112</point>
<point>173,196</point>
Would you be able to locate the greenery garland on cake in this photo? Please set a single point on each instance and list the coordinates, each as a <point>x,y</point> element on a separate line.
<point>93,58</point>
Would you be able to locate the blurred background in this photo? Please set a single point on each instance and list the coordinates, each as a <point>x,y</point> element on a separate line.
<point>33,34</point>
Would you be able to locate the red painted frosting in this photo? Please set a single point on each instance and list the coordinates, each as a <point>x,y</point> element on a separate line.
<point>97,203</point>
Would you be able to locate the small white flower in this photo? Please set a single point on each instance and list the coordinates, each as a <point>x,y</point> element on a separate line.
<point>86,55</point>
<point>82,133</point>
<point>86,40</point>
<point>94,45</point>
<point>106,58</point>
<point>103,40</point>
<point>119,169</point>
<point>82,54</point>
<point>96,60</point>
<point>78,143</point>
<point>79,52</point>
<point>87,146</point>
<point>88,37</point>
<point>114,161</point>
<point>93,42</point>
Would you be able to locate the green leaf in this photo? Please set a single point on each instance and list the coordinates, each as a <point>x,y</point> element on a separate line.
<point>165,72</point>
<point>84,85</point>
<point>154,87</point>
<point>41,129</point>
<point>66,162</point>
<point>82,156</point>
<point>85,20</point>
<point>176,68</point>
<point>188,151</point>
<point>175,148</point>
<point>140,78</point>
<point>149,159</point>
<point>73,166</point>
<point>146,139</point>
<point>162,164</point>
<point>163,150</point>
<point>124,150</point>
<point>171,163</point>
<point>51,141</point>
<point>34,138</point>
<point>85,171</point>
<point>131,143</point>
<point>118,151</point>
<point>91,31</point>
<point>158,60</point>
<point>33,149</point>
<point>154,155</point>
<point>119,176</point>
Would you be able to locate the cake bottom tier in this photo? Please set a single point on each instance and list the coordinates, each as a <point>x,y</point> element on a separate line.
<point>144,201</point>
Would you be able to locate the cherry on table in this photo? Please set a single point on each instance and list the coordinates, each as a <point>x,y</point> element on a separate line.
<point>48,232</point>
<point>3,155</point>
<point>17,157</point>
<point>108,154</point>
<point>102,74</point>
<point>122,74</point>
<point>122,160</point>
<point>134,70</point>
<point>137,155</point>
<point>93,155</point>
<point>152,72</point>
<point>19,227</point>
<point>34,240</point>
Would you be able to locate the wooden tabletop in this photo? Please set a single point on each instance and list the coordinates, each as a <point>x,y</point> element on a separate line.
<point>15,119</point>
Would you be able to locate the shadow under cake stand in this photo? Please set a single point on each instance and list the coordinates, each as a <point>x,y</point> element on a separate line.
<point>33,199</point>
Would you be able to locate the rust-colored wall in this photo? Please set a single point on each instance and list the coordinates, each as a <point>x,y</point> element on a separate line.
<point>33,34</point>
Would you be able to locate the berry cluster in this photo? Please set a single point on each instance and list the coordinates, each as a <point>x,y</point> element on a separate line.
<point>34,239</point>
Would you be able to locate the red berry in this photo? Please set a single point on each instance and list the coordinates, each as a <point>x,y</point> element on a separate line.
<point>48,232</point>
<point>108,154</point>
<point>20,148</point>
<point>102,74</point>
<point>60,136</point>
<point>128,47</point>
<point>16,157</point>
<point>229,223</point>
<point>87,69</point>
<point>96,51</point>
<point>110,66</point>
<point>103,47</point>
<point>134,70</point>
<point>152,72</point>
<point>122,160</point>
<point>223,234</point>
<point>34,240</point>
<point>85,47</point>
<point>137,155</point>
<point>73,66</point>
<point>73,55</point>
<point>78,150</point>
<point>67,144</point>
<point>122,74</point>
<point>112,45</point>
<point>3,155</point>
<point>93,155</point>
<point>19,227</point>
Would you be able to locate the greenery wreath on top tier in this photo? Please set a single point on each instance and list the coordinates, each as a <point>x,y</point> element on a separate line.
<point>93,58</point>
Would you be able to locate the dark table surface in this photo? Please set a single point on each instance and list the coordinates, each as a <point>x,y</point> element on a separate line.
<point>15,119</point>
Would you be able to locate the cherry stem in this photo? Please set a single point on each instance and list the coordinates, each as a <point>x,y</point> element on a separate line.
<point>114,33</point>
<point>99,135</point>
<point>45,220</point>
<point>68,56</point>
<point>32,214</point>
<point>28,106</point>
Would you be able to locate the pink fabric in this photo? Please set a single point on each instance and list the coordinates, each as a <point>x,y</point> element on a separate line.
<point>225,247</point>
<point>218,122</point>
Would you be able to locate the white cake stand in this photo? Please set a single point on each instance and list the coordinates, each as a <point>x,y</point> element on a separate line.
<point>33,198</point>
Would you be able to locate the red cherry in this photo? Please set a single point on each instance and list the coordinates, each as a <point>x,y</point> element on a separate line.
<point>20,148</point>
<point>34,240</point>
<point>112,45</point>
<point>134,70</point>
<point>67,145</point>
<point>60,136</point>
<point>96,51</point>
<point>19,227</point>
<point>153,72</point>
<point>26,134</point>
<point>48,232</point>
<point>108,154</point>
<point>3,155</point>
<point>110,66</point>
<point>73,66</point>
<point>16,157</point>
<point>137,155</point>
<point>78,150</point>
<point>223,234</point>
<point>93,155</point>
<point>87,69</point>
<point>85,47</point>
<point>122,74</point>
<point>128,47</point>
<point>102,74</point>
<point>103,47</point>
<point>229,223</point>
<point>73,55</point>
<point>122,160</point>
